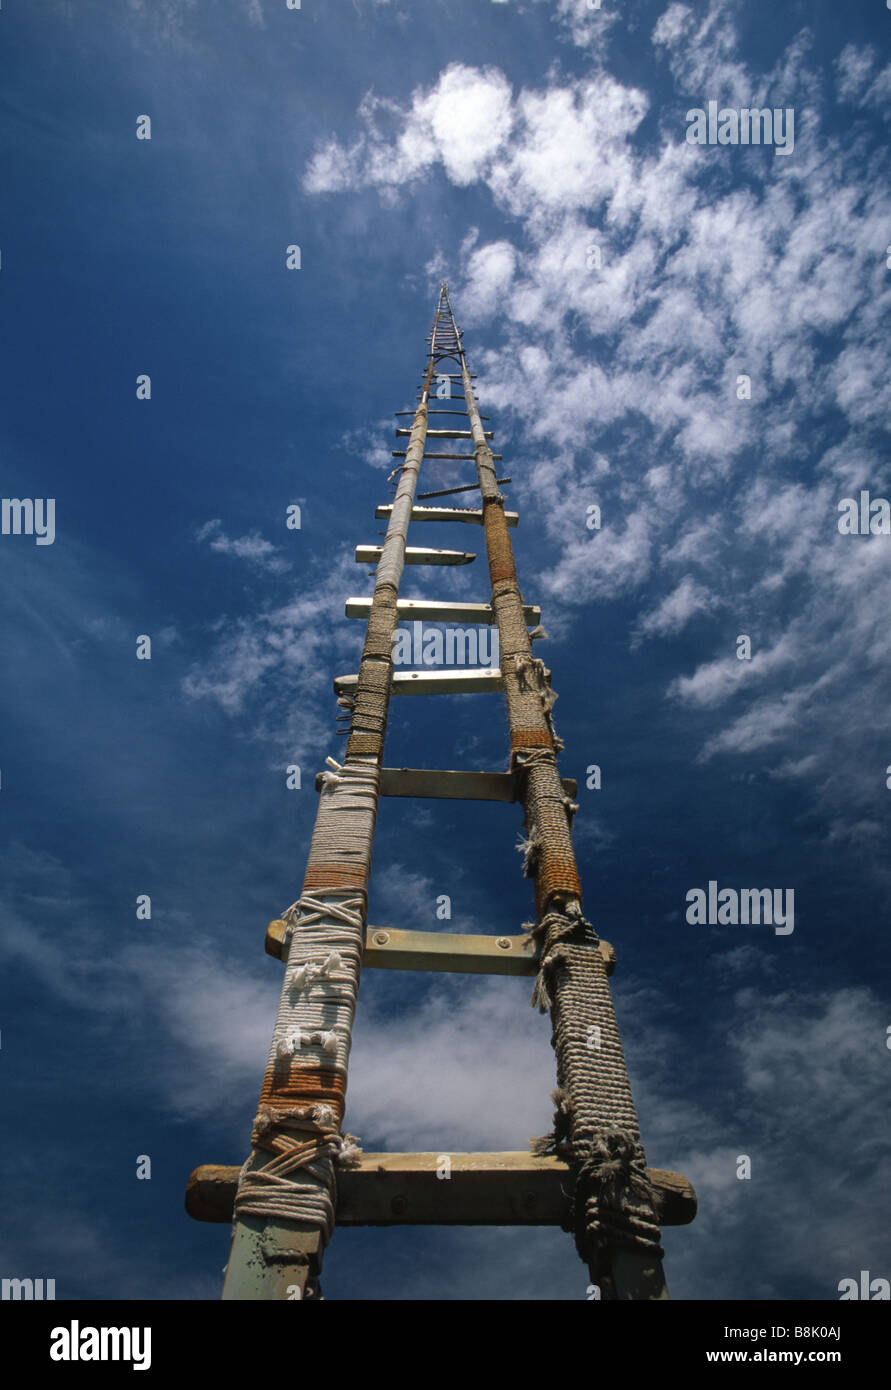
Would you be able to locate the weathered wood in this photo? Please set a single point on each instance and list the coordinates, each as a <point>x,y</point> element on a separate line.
<point>440,611</point>
<point>388,948</point>
<point>462,487</point>
<point>470,515</point>
<point>415,555</point>
<point>453,786</point>
<point>556,872</point>
<point>400,454</point>
<point>431,413</point>
<point>447,434</point>
<point>460,953</point>
<point>272,1256</point>
<point>483,1189</point>
<point>453,682</point>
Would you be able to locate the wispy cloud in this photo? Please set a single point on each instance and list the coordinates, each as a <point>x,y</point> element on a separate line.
<point>718,337</point>
<point>253,548</point>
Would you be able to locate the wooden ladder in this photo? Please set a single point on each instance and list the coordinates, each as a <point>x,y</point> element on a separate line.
<point>274,1255</point>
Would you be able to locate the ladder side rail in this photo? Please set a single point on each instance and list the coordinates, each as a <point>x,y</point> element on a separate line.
<point>284,1208</point>
<point>596,1124</point>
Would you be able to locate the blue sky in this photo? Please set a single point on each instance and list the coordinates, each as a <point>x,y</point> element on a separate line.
<point>494,144</point>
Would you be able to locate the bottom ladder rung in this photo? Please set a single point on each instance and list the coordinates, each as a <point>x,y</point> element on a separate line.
<point>443,1189</point>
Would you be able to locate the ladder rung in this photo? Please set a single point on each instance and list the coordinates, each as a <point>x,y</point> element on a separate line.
<point>458,953</point>
<point>402,453</point>
<point>440,611</point>
<point>463,487</point>
<point>449,434</point>
<point>484,1189</point>
<point>450,952</point>
<point>453,785</point>
<point>455,682</point>
<point>472,515</point>
<point>462,413</point>
<point>387,948</point>
<point>415,555</point>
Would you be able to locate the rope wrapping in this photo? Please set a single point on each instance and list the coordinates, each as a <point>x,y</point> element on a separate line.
<point>389,568</point>
<point>296,1139</point>
<point>596,1129</point>
<point>299,1181</point>
<point>382,621</point>
<point>340,852</point>
<point>552,862</point>
<point>370,704</point>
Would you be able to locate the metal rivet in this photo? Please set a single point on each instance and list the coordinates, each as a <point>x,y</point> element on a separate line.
<point>381,938</point>
<point>503,942</point>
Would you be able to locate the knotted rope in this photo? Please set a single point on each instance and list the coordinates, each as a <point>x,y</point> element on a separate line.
<point>318,998</point>
<point>296,1139</point>
<point>299,1182</point>
<point>596,1129</point>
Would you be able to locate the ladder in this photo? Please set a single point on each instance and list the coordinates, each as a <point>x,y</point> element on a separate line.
<point>590,1175</point>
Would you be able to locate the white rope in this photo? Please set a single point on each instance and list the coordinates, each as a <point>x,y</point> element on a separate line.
<point>315,1015</point>
<point>303,977</point>
<point>299,1182</point>
<point>293,1179</point>
<point>292,1042</point>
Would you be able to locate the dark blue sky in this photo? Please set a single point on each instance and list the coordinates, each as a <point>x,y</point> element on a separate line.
<point>492,143</point>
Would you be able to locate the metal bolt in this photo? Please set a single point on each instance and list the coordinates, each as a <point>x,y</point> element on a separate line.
<point>381,938</point>
<point>503,942</point>
<point>398,1205</point>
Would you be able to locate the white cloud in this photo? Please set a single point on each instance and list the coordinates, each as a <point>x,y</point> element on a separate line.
<point>490,271</point>
<point>253,548</point>
<point>607,563</point>
<point>857,81</point>
<point>587,24</point>
<point>798,1066</point>
<point>467,1065</point>
<point>469,117</point>
<point>276,665</point>
<point>470,1067</point>
<point>571,151</point>
<point>641,284</point>
<point>462,122</point>
<point>675,611</point>
<point>672,25</point>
